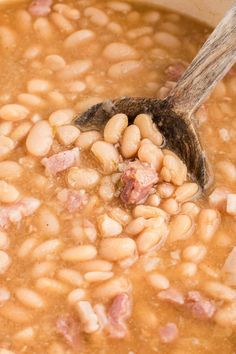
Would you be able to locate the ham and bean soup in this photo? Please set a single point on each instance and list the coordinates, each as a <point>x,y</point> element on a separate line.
<point>106,245</point>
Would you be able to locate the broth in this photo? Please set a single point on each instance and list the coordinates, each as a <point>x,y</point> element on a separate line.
<point>100,254</point>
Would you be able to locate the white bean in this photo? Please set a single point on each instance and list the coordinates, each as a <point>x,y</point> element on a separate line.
<point>96,16</point>
<point>6,146</point>
<point>86,139</point>
<point>150,153</point>
<point>107,155</point>
<point>40,139</point>
<point>8,193</point>
<point>43,269</point>
<point>29,298</point>
<point>118,51</point>
<point>148,129</point>
<point>15,313</point>
<point>208,223</point>
<point>87,316</point>
<point>31,100</point>
<point>111,288</point>
<point>38,86</point>
<point>107,189</point>
<point>26,247</point>
<point>115,127</point>
<point>21,131</point>
<point>75,69</point>
<point>135,226</point>
<point>131,141</point>
<point>13,112</point>
<point>51,286</point>
<point>115,249</point>
<point>220,291</point>
<point>48,222</point>
<point>151,237</point>
<point>43,29</point>
<point>126,68</point>
<point>62,23</point>
<point>61,117</point>
<point>8,38</point>
<point>76,295</point>
<point>4,241</point>
<point>6,128</point>
<point>25,335</point>
<point>167,40</point>
<point>79,38</point>
<point>147,212</point>
<point>67,134</point>
<point>186,192</point>
<point>108,227</point>
<point>70,276</point>
<point>46,249</point>
<point>92,277</point>
<point>181,228</point>
<point>194,253</point>
<point>158,281</point>
<point>85,178</point>
<point>55,62</point>
<point>67,11</point>
<point>79,253</point>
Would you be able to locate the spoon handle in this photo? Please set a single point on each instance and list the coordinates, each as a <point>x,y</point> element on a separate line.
<point>213,61</point>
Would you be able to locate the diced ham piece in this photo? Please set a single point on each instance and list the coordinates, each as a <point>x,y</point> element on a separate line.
<point>40,7</point>
<point>175,71</point>
<point>70,330</point>
<point>72,199</point>
<point>171,295</point>
<point>218,198</point>
<point>169,333</point>
<point>61,161</point>
<point>138,179</point>
<point>200,307</point>
<point>15,212</point>
<point>118,313</point>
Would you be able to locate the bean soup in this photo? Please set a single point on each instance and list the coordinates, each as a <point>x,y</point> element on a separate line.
<point>106,245</point>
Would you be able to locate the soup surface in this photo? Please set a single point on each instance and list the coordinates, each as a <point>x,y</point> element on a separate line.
<point>106,246</point>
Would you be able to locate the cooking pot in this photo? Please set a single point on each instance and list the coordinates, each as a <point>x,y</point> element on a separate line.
<point>207,11</point>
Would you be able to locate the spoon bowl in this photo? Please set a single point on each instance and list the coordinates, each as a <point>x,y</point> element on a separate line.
<point>179,133</point>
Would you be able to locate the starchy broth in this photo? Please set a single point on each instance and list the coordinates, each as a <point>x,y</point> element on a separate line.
<point>106,245</point>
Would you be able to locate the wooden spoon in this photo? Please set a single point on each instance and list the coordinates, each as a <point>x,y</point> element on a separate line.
<point>174,115</point>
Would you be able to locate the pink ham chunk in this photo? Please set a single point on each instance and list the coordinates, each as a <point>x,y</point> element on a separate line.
<point>200,307</point>
<point>40,7</point>
<point>175,71</point>
<point>118,313</point>
<point>61,161</point>
<point>70,330</point>
<point>169,333</point>
<point>171,295</point>
<point>138,179</point>
<point>73,200</point>
<point>15,212</point>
